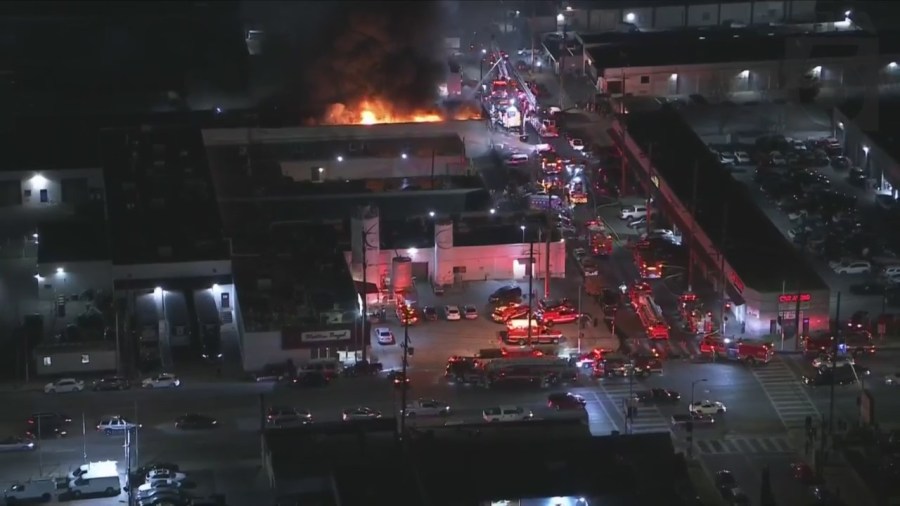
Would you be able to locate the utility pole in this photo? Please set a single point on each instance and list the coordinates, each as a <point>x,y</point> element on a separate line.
<point>118,347</point>
<point>797,319</point>
<point>137,439</point>
<point>649,186</point>
<point>834,352</point>
<point>693,242</point>
<point>622,189</point>
<point>83,438</point>
<point>404,386</point>
<point>530,286</point>
<point>722,266</point>
<point>580,314</point>
<point>40,450</point>
<point>363,337</point>
<point>547,266</point>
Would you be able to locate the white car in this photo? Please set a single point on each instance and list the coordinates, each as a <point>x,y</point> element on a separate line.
<point>427,407</point>
<point>384,336</point>
<point>506,414</point>
<point>64,385</point>
<point>742,157</point>
<point>727,158</point>
<point>854,267</point>
<point>164,380</point>
<point>577,144</point>
<point>633,212</point>
<point>542,148</point>
<point>470,312</point>
<point>777,158</point>
<point>827,362</point>
<point>113,424</point>
<point>359,413</point>
<point>590,267</point>
<point>452,313</point>
<point>156,475</point>
<point>167,483</point>
<point>707,407</point>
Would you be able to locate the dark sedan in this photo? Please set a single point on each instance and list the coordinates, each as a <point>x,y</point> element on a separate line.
<point>111,383</point>
<point>562,401</point>
<point>658,396</point>
<point>46,430</point>
<point>311,379</point>
<point>195,421</point>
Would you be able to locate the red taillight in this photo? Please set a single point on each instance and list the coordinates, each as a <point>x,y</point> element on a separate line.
<point>31,421</point>
<point>549,404</point>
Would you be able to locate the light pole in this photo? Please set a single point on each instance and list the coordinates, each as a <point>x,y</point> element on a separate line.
<point>580,316</point>
<point>404,386</point>
<point>522,228</point>
<point>691,421</point>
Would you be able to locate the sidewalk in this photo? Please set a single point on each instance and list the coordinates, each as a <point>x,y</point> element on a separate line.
<point>838,475</point>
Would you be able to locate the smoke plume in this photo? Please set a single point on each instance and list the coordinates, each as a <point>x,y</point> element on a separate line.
<point>391,51</point>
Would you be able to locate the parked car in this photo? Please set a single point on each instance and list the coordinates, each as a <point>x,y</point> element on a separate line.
<point>565,401</point>
<point>64,385</point>
<point>452,313</point>
<point>577,144</point>
<point>853,267</point>
<point>708,407</point>
<point>163,380</point>
<point>111,383</point>
<point>384,335</point>
<point>113,424</point>
<point>283,416</point>
<point>658,396</point>
<point>16,444</point>
<point>633,212</point>
<point>427,407</point>
<point>430,313</point>
<point>470,312</point>
<point>190,421</point>
<point>359,413</point>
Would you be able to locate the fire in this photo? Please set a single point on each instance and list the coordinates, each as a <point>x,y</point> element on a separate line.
<point>377,112</point>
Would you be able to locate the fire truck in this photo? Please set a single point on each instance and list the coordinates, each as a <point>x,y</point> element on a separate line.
<point>740,350</point>
<point>650,314</point>
<point>548,128</point>
<point>504,314</point>
<point>853,343</point>
<point>648,266</point>
<point>499,88</point>
<point>539,335</point>
<point>407,313</point>
<point>696,320</point>
<point>600,240</point>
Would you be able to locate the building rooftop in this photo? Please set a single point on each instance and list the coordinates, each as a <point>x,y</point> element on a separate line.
<point>728,46</point>
<point>160,198</point>
<point>754,247</point>
<point>881,124</point>
<point>415,147</point>
<point>560,458</point>
<point>471,229</point>
<point>299,275</point>
<point>77,241</point>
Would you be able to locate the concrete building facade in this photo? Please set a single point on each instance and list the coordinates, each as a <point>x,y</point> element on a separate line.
<point>869,133</point>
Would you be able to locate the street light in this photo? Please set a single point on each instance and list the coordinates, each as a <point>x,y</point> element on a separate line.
<point>493,211</point>
<point>691,421</point>
<point>431,214</point>
<point>522,228</point>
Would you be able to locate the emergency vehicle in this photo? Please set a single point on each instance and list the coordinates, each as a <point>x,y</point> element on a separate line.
<point>505,313</point>
<point>739,350</point>
<point>551,163</point>
<point>499,89</point>
<point>407,313</point>
<point>648,266</point>
<point>511,118</point>
<point>852,343</point>
<point>650,314</point>
<point>536,369</point>
<point>601,242</point>
<point>549,129</point>
<point>539,335</point>
<point>696,320</point>
<point>577,193</point>
<point>558,314</point>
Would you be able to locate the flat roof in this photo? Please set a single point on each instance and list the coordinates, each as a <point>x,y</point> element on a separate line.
<point>481,229</point>
<point>160,198</point>
<point>300,274</point>
<point>744,45</point>
<point>754,247</point>
<point>559,457</point>
<point>418,147</point>
<point>72,241</point>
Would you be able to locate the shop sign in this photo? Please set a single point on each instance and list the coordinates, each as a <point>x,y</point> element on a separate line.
<point>794,297</point>
<point>319,336</point>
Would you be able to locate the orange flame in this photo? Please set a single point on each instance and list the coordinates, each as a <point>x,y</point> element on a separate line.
<point>377,112</point>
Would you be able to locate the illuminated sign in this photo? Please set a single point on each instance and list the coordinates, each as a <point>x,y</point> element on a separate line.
<point>794,297</point>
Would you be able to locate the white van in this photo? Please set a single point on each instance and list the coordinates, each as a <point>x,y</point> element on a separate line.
<point>95,485</point>
<point>517,159</point>
<point>633,212</point>
<point>506,414</point>
<point>39,490</point>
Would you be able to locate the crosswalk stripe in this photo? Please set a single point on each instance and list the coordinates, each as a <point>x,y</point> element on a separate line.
<point>791,402</point>
<point>744,445</point>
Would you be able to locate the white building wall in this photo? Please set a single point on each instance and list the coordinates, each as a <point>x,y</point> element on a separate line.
<point>739,13</point>
<point>703,15</point>
<point>367,168</point>
<point>768,12</point>
<point>670,16</point>
<point>173,270</point>
<point>68,283</point>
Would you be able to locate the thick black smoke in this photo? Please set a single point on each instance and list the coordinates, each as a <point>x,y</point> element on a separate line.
<point>391,51</point>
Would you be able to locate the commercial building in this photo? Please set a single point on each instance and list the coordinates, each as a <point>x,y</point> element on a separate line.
<point>361,463</point>
<point>635,15</point>
<point>735,246</point>
<point>721,63</point>
<point>869,131</point>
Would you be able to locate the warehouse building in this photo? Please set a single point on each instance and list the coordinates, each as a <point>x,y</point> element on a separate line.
<point>731,235</point>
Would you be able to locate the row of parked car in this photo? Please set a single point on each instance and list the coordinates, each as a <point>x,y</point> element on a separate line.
<point>108,383</point>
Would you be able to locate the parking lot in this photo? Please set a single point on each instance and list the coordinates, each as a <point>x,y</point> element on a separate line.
<point>822,203</point>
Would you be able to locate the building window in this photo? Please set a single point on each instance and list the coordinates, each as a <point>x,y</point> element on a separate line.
<point>773,13</point>
<point>645,79</point>
<point>460,269</point>
<point>45,197</point>
<point>27,194</point>
<point>705,16</point>
<point>85,359</point>
<point>47,361</point>
<point>323,353</point>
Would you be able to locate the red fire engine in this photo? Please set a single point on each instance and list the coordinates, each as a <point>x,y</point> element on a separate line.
<point>539,335</point>
<point>696,320</point>
<point>852,343</point>
<point>739,350</point>
<point>650,314</point>
<point>600,240</point>
<point>647,266</point>
<point>548,128</point>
